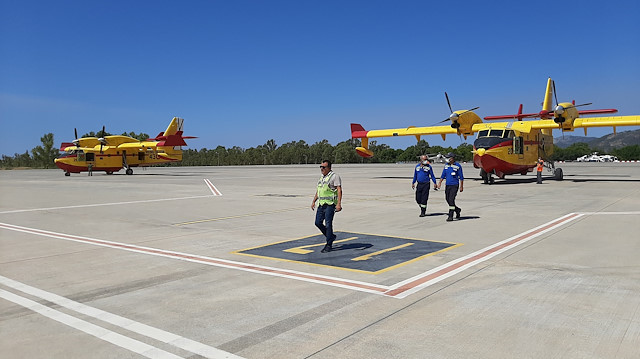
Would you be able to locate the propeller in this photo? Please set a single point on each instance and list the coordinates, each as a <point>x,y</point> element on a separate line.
<point>102,140</point>
<point>453,117</point>
<point>76,141</point>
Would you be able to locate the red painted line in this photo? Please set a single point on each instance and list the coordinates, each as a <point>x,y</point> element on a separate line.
<point>475,258</point>
<point>204,260</point>
<point>212,188</point>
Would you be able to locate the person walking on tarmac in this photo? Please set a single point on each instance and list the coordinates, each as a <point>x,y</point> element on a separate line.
<point>452,172</point>
<point>329,197</point>
<point>539,167</point>
<point>421,175</point>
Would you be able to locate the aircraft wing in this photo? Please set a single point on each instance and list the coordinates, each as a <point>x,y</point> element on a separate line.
<point>358,132</point>
<point>607,121</point>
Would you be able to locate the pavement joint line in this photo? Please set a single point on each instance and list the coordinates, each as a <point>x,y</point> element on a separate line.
<point>122,322</point>
<point>103,204</point>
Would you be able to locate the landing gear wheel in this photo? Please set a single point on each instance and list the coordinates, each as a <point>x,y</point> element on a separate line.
<point>67,174</point>
<point>557,174</point>
<point>129,171</point>
<point>109,172</point>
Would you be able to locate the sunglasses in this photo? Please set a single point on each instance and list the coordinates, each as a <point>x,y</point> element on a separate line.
<point>323,167</point>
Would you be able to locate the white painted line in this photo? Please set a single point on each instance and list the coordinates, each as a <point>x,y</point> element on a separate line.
<point>89,328</point>
<point>254,268</point>
<point>136,327</point>
<point>213,188</point>
<point>101,204</point>
<point>421,281</point>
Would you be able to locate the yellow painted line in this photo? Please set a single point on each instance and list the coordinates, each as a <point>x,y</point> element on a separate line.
<point>301,250</point>
<point>368,256</point>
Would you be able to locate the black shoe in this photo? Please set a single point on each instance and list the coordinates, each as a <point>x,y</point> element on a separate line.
<point>422,215</point>
<point>327,248</point>
<point>449,219</point>
<point>458,210</point>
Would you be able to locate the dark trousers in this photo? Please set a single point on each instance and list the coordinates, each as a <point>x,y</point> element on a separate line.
<point>325,214</point>
<point>422,193</point>
<point>450,193</point>
<point>539,177</point>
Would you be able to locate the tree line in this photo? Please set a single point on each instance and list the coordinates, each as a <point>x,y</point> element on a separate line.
<point>299,152</point>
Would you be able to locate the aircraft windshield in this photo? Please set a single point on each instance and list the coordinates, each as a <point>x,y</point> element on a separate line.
<point>496,133</point>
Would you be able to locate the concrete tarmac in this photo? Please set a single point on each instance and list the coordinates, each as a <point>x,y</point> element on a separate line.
<point>225,262</point>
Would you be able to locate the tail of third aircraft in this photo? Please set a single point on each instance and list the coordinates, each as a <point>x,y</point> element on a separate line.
<point>547,105</point>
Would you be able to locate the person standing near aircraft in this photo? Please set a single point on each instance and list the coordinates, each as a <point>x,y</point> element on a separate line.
<point>329,197</point>
<point>452,172</point>
<point>539,168</point>
<point>422,173</point>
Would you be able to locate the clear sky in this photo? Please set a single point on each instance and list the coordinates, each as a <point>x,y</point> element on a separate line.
<point>243,72</point>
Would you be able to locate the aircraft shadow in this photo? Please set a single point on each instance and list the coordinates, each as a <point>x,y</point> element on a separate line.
<point>506,181</point>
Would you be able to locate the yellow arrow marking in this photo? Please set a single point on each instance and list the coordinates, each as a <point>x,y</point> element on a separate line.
<point>301,250</point>
<point>368,256</point>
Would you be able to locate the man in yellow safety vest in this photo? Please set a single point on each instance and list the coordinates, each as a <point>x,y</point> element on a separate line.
<point>329,197</point>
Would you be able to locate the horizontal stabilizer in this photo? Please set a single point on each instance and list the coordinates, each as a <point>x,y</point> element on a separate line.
<point>357,131</point>
<point>64,145</point>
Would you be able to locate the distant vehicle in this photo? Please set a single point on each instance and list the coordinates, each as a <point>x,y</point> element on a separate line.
<point>595,157</point>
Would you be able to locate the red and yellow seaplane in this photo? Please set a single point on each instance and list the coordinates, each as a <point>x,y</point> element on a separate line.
<point>112,153</point>
<point>504,148</point>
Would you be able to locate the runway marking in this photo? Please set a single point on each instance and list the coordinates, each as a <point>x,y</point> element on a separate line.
<point>399,290</point>
<point>254,268</point>
<point>213,188</point>
<point>421,281</point>
<point>103,204</point>
<point>125,323</point>
<point>89,328</point>
<point>368,256</point>
<point>301,250</point>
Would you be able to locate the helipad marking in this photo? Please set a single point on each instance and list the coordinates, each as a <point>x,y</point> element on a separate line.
<point>301,250</point>
<point>356,255</point>
<point>368,256</point>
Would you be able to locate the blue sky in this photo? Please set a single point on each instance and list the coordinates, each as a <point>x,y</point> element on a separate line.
<point>243,72</point>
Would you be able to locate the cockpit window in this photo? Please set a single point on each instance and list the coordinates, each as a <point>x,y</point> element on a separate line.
<point>508,134</point>
<point>483,133</point>
<point>495,133</point>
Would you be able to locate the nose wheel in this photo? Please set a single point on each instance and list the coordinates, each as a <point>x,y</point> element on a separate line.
<point>129,171</point>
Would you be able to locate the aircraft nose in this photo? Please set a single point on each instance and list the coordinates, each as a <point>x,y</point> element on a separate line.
<point>480,152</point>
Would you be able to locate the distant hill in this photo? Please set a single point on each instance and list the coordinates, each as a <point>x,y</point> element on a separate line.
<point>604,143</point>
<point>621,139</point>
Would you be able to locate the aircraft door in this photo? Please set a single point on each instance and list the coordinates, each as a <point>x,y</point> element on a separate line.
<point>518,146</point>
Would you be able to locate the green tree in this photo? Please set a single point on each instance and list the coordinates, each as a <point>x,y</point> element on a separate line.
<point>44,155</point>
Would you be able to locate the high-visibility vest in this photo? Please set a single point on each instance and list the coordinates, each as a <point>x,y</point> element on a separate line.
<point>326,195</point>
<point>540,165</point>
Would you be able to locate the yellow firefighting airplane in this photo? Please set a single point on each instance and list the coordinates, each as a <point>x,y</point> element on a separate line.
<point>504,148</point>
<point>112,153</point>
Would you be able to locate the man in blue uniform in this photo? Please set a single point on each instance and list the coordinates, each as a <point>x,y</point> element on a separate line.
<point>452,172</point>
<point>421,175</point>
